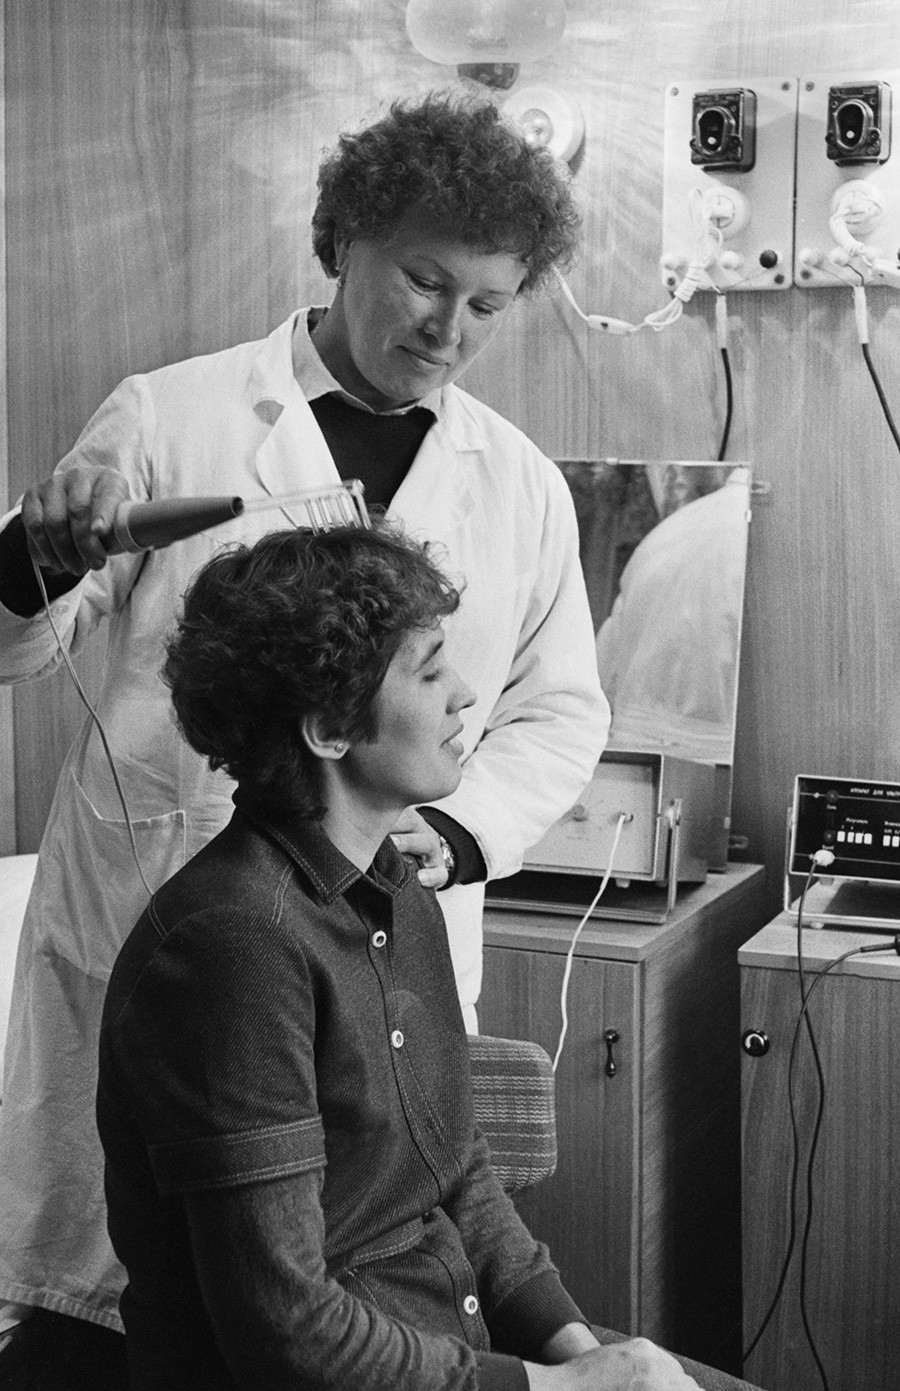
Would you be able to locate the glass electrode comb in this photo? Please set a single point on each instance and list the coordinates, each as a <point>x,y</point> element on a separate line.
<point>148,526</point>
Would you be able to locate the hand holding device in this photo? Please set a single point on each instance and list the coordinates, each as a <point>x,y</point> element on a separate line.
<point>69,517</point>
<point>77,519</point>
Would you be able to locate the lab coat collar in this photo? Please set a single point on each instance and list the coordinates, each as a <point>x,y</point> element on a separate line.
<point>294,454</point>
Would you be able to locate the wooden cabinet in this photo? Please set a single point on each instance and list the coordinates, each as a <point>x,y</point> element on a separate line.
<point>643,1212</point>
<point>852,1289</point>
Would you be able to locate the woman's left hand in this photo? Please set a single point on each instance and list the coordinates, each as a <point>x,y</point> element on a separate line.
<point>412,835</point>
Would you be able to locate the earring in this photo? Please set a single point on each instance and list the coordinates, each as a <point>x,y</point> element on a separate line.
<point>342,278</point>
<point>340,747</point>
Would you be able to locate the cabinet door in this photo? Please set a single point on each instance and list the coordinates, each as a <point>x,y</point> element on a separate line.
<point>852,1289</point>
<point>587,1212</point>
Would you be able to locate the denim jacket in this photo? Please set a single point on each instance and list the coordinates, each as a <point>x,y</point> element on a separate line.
<point>277,1017</point>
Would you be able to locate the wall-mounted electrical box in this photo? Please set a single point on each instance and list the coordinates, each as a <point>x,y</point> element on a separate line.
<point>848,181</point>
<point>858,123</point>
<point>723,125</point>
<point>729,156</point>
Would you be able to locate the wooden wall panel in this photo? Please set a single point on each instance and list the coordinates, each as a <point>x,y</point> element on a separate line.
<point>161,165</point>
<point>7,752</point>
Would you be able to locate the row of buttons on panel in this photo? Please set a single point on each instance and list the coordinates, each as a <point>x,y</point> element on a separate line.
<point>865,838</point>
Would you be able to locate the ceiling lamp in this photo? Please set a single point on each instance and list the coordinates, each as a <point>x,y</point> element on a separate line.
<point>486,39</point>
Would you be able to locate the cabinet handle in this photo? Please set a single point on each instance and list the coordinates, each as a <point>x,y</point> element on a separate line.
<point>610,1037</point>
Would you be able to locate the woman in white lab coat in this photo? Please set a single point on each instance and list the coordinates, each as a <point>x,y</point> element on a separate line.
<point>427,265</point>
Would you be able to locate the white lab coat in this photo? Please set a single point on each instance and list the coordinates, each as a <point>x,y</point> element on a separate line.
<point>236,422</point>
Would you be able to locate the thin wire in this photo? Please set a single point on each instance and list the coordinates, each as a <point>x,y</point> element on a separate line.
<point>880,390</point>
<point>729,404</point>
<point>795,1174</point>
<point>623,817</point>
<point>817,1128</point>
<point>721,303</point>
<point>803,1017</point>
<point>708,245</point>
<point>96,719</point>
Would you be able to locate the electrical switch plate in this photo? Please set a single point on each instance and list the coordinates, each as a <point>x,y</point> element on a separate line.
<point>755,204</point>
<point>848,145</point>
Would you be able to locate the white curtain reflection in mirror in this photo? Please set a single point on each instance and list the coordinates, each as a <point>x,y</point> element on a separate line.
<point>663,548</point>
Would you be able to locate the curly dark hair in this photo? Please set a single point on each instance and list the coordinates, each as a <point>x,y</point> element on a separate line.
<point>300,623</point>
<point>454,157</point>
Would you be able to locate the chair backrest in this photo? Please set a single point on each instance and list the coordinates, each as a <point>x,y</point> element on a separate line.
<point>513,1097</point>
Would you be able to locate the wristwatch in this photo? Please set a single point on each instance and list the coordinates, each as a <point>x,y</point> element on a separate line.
<point>449,857</point>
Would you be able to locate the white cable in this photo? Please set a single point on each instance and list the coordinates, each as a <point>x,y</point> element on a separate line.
<point>96,719</point>
<point>707,249</point>
<point>861,313</point>
<point>843,237</point>
<point>623,817</point>
<point>721,320</point>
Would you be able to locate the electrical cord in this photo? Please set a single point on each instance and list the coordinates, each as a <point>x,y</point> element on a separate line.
<point>795,1172</point>
<point>804,1020</point>
<point>623,817</point>
<point>82,694</point>
<point>722,342</point>
<point>817,1126</point>
<point>862,333</point>
<point>867,357</point>
<point>708,245</point>
<point>855,210</point>
<point>729,404</point>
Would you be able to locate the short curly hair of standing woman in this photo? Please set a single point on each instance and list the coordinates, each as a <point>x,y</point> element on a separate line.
<point>454,159</point>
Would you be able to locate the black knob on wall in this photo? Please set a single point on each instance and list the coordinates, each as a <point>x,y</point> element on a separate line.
<point>755,1042</point>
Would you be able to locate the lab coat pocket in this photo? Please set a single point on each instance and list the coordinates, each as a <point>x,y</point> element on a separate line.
<point>90,889</point>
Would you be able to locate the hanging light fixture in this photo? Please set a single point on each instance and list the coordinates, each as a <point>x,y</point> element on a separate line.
<point>486,39</point>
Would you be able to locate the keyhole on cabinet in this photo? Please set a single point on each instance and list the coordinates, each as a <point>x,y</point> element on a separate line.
<point>610,1037</point>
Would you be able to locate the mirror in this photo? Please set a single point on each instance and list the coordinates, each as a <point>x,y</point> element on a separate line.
<point>663,548</point>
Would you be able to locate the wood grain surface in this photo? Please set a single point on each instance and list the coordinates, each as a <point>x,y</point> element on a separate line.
<point>160,170</point>
<point>852,1298</point>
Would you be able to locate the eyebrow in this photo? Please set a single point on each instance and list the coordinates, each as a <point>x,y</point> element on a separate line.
<point>436,268</point>
<point>432,652</point>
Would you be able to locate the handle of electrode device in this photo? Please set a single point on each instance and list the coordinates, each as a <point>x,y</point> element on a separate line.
<point>147,526</point>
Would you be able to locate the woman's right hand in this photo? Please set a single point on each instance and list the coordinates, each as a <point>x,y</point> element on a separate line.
<point>633,1365</point>
<point>69,517</point>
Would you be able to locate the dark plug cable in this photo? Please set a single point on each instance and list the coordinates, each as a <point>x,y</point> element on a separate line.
<point>862,332</point>
<point>795,1164</point>
<point>722,341</point>
<point>729,407</point>
<point>803,1018</point>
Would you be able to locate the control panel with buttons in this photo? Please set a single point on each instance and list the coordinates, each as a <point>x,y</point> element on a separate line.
<point>856,819</point>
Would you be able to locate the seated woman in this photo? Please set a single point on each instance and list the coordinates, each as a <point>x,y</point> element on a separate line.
<point>294,1181</point>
